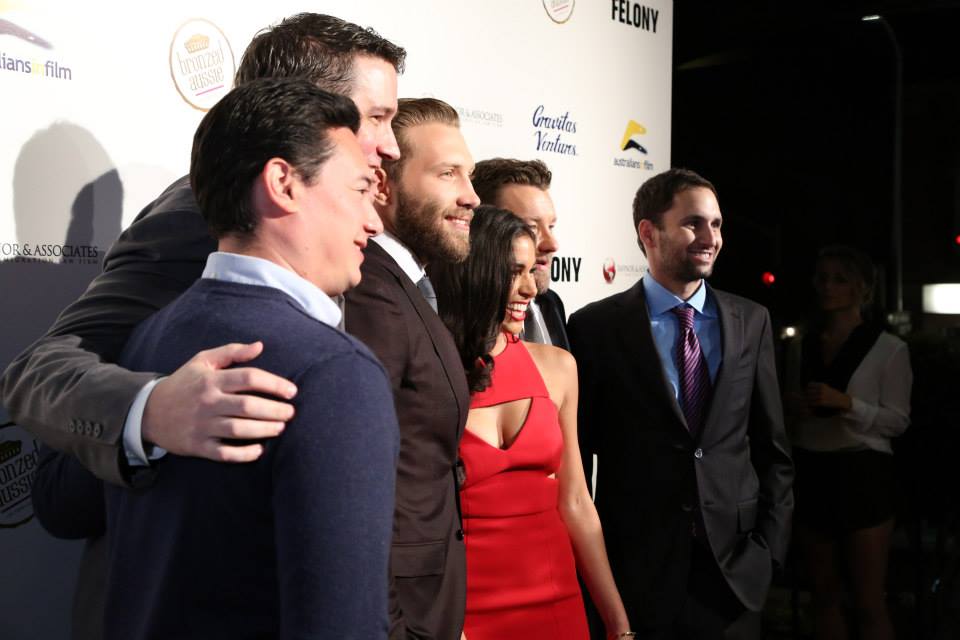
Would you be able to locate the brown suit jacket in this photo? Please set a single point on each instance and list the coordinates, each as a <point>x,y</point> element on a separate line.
<point>388,313</point>
<point>655,478</point>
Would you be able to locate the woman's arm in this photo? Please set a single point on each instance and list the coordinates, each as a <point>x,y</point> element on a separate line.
<point>575,505</point>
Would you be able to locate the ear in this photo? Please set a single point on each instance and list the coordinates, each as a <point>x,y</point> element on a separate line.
<point>279,183</point>
<point>384,189</point>
<point>645,232</point>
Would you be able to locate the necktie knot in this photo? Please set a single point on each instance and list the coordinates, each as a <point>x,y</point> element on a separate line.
<point>684,315</point>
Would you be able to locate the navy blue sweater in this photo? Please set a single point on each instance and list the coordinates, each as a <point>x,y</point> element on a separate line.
<point>294,545</point>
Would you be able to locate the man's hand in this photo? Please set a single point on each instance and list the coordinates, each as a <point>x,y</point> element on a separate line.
<point>818,394</point>
<point>203,402</point>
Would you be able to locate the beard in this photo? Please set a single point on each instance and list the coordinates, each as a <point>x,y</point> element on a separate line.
<point>420,226</point>
<point>685,270</point>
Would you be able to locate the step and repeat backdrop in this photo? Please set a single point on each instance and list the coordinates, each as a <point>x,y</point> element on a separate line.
<point>100,101</point>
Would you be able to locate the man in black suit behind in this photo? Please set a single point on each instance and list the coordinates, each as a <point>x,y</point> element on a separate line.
<point>426,203</point>
<point>682,409</point>
<point>523,187</point>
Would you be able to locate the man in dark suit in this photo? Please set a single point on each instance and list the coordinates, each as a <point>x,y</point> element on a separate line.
<point>66,388</point>
<point>426,203</point>
<point>679,401</point>
<point>523,187</point>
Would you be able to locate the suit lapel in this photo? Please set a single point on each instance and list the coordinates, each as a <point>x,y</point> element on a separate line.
<point>731,329</point>
<point>637,339</point>
<point>439,335</point>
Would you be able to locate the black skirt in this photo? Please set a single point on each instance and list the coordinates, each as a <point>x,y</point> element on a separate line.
<point>843,491</point>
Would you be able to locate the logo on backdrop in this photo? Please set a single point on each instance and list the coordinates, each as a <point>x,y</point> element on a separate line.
<point>27,62</point>
<point>634,14</point>
<point>479,116</point>
<point>62,253</point>
<point>553,131</point>
<point>19,457</point>
<point>565,269</point>
<point>201,63</point>
<point>559,10</point>
<point>631,144</point>
<point>611,268</point>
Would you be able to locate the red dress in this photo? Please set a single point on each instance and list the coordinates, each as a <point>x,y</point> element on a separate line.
<point>521,575</point>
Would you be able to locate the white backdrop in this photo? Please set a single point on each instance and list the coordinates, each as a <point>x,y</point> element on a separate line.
<point>97,119</point>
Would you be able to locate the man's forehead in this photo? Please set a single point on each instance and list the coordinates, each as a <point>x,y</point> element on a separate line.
<point>434,142</point>
<point>527,201</point>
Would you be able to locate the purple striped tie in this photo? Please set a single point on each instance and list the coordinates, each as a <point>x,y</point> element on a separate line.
<point>692,372</point>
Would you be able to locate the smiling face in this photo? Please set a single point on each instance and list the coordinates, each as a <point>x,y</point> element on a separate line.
<point>523,287</point>
<point>682,249</point>
<point>434,199</point>
<point>335,217</point>
<point>535,207</point>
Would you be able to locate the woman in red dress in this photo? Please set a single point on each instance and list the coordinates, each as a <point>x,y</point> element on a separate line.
<point>528,519</point>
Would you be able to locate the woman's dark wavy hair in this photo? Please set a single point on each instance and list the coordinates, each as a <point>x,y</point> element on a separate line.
<point>472,296</point>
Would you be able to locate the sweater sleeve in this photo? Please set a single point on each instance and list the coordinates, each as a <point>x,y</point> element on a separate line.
<point>334,474</point>
<point>890,416</point>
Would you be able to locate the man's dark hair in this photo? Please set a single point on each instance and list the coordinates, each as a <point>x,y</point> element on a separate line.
<point>472,296</point>
<point>317,47</point>
<point>489,176</point>
<point>263,119</point>
<point>655,196</point>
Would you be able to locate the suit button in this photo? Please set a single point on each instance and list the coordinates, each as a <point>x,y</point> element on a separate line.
<point>698,453</point>
<point>72,428</point>
<point>459,534</point>
<point>87,428</point>
<point>97,430</point>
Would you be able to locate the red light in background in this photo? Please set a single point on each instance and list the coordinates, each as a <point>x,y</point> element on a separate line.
<point>957,239</point>
<point>768,278</point>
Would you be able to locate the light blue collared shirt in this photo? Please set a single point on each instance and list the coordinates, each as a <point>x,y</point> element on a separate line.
<point>664,325</point>
<point>232,267</point>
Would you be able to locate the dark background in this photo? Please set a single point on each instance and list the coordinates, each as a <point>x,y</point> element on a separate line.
<point>789,109</point>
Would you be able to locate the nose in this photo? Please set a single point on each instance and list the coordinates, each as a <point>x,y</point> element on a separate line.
<point>546,241</point>
<point>372,224</point>
<point>528,286</point>
<point>468,198</point>
<point>387,146</point>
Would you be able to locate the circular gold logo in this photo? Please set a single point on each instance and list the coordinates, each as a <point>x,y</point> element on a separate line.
<point>201,63</point>
<point>559,10</point>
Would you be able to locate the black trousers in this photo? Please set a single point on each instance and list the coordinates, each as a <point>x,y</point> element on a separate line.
<point>710,611</point>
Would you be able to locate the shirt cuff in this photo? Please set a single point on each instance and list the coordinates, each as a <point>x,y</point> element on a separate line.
<point>861,414</point>
<point>139,455</point>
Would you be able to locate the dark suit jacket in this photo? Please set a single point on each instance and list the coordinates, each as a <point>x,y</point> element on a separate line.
<point>63,388</point>
<point>555,317</point>
<point>389,314</point>
<point>654,477</point>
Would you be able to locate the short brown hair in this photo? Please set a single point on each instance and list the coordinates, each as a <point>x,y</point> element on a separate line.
<point>489,176</point>
<point>655,196</point>
<point>316,47</point>
<point>413,112</point>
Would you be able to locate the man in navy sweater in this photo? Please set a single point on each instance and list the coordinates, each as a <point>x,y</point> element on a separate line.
<point>296,544</point>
